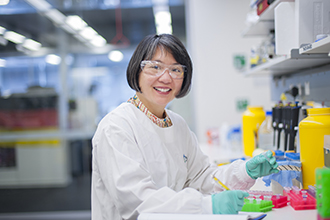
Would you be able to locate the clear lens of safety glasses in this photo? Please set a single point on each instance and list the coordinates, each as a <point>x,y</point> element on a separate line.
<point>155,68</point>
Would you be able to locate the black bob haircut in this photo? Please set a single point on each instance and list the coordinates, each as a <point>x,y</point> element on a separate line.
<point>146,50</point>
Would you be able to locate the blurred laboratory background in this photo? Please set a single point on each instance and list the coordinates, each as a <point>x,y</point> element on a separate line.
<point>63,67</point>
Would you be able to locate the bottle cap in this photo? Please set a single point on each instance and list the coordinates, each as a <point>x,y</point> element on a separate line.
<point>269,112</point>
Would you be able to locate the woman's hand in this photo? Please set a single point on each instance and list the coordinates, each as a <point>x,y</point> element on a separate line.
<point>228,202</point>
<point>262,165</point>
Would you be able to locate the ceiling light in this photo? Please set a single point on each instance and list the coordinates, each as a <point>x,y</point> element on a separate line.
<point>88,33</point>
<point>98,41</point>
<point>116,56</point>
<point>4,2</point>
<point>56,16</point>
<point>163,22</point>
<point>2,63</point>
<point>164,29</point>
<point>75,22</point>
<point>14,37</point>
<point>80,38</point>
<point>2,30</point>
<point>3,41</point>
<point>40,5</point>
<point>72,24</point>
<point>31,45</point>
<point>68,29</point>
<point>163,17</point>
<point>53,59</point>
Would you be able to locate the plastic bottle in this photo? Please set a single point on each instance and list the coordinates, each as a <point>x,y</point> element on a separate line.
<point>252,119</point>
<point>266,133</point>
<point>311,137</point>
<point>254,57</point>
<point>235,140</point>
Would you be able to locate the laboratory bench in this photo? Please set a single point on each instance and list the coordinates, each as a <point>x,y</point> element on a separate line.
<point>219,155</point>
<point>288,212</point>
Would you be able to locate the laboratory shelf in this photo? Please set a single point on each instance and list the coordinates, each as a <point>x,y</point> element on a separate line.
<point>261,28</point>
<point>322,46</point>
<point>288,64</point>
<point>265,22</point>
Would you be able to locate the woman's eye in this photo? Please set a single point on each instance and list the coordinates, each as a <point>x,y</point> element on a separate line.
<point>176,70</point>
<point>155,67</point>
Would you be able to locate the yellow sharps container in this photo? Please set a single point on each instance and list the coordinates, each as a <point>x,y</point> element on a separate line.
<point>311,136</point>
<point>252,119</point>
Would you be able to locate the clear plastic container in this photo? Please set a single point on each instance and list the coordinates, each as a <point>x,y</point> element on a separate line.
<point>266,133</point>
<point>235,140</point>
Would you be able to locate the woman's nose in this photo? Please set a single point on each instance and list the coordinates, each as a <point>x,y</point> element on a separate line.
<point>166,76</point>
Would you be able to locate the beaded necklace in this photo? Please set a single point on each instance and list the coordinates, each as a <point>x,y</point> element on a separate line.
<point>163,123</point>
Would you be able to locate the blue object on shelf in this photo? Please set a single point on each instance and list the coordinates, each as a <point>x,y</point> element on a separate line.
<point>279,155</point>
<point>292,156</point>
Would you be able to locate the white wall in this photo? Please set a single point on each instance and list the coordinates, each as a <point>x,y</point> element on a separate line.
<point>213,36</point>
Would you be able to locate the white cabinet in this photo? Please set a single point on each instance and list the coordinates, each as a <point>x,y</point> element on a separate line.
<point>311,55</point>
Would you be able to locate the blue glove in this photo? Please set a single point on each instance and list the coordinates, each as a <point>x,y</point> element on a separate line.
<point>228,202</point>
<point>262,165</point>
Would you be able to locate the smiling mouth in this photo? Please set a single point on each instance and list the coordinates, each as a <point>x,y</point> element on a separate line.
<point>162,90</point>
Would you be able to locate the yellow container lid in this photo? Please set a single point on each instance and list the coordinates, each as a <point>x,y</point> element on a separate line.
<point>318,111</point>
<point>254,107</point>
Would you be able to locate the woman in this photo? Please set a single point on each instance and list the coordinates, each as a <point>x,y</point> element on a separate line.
<point>146,159</point>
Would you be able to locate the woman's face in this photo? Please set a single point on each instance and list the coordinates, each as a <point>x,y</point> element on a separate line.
<point>158,91</point>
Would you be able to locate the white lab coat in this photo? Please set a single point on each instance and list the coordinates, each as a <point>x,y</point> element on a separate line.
<point>141,167</point>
